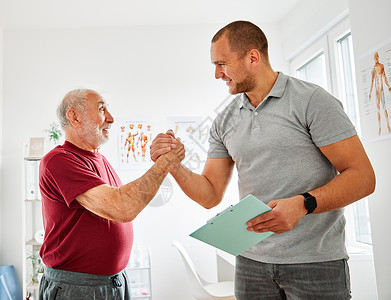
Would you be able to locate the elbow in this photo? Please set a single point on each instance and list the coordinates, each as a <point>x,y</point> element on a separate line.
<point>124,220</point>
<point>370,184</point>
<point>208,205</point>
<point>121,217</point>
<point>211,203</point>
<point>124,217</point>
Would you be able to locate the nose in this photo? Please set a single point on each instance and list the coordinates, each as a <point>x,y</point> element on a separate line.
<point>109,117</point>
<point>218,72</point>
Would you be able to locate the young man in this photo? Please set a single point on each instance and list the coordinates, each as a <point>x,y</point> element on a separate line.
<point>87,212</point>
<point>302,157</point>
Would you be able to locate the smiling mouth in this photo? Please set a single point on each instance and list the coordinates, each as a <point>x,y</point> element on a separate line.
<point>228,82</point>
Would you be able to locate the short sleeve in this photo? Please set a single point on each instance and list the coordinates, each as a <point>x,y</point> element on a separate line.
<point>66,177</point>
<point>217,148</point>
<point>326,120</point>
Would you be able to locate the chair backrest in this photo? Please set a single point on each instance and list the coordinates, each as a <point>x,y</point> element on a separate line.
<point>9,284</point>
<point>197,288</point>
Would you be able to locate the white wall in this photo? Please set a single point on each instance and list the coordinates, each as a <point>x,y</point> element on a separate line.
<point>307,20</point>
<point>153,72</point>
<point>367,32</point>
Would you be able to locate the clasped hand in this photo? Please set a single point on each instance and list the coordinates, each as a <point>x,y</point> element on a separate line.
<point>164,143</point>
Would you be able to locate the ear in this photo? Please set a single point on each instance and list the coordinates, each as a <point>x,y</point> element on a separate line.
<point>73,118</point>
<point>255,57</point>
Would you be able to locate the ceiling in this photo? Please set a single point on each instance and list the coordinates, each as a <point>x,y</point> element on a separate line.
<point>103,13</point>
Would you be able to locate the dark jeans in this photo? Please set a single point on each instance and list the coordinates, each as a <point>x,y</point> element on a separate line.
<point>60,284</point>
<point>261,281</point>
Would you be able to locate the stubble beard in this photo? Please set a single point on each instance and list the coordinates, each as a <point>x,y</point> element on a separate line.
<point>93,134</point>
<point>244,86</point>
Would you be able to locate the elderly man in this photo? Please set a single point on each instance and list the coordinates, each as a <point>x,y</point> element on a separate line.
<point>87,212</point>
<point>302,157</point>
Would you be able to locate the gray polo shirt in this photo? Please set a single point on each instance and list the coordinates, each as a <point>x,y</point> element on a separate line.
<point>275,148</point>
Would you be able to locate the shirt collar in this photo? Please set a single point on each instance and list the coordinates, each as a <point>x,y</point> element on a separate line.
<point>277,90</point>
<point>242,99</point>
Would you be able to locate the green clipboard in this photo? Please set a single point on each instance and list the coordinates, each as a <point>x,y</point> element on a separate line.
<point>228,230</point>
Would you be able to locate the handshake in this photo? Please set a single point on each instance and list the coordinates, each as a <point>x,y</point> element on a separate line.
<point>166,147</point>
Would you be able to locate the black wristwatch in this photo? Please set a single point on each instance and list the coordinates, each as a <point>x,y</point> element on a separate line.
<point>309,202</point>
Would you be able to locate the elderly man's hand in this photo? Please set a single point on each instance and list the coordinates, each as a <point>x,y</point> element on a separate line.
<point>174,156</point>
<point>162,144</point>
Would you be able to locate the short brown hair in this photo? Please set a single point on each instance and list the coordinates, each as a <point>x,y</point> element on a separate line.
<point>244,36</point>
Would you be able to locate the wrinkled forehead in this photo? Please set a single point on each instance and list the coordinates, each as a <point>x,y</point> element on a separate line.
<point>94,98</point>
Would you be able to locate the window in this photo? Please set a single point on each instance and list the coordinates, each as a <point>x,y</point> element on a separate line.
<point>346,68</point>
<point>362,226</point>
<point>311,71</point>
<point>329,63</point>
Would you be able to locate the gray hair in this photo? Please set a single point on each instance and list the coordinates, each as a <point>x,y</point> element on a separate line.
<point>75,99</point>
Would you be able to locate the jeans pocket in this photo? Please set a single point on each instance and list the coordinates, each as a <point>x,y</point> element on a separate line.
<point>347,276</point>
<point>56,293</point>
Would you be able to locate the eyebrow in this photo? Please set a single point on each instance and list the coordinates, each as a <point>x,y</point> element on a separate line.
<point>102,102</point>
<point>217,62</point>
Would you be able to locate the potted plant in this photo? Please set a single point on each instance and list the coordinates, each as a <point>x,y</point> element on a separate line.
<point>37,267</point>
<point>54,132</point>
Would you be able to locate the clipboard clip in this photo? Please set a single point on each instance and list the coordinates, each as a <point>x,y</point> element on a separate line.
<point>229,207</point>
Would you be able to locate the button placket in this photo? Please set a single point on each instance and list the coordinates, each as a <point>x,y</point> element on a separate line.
<point>254,122</point>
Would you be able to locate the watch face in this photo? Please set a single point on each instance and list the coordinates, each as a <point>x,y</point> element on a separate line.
<point>310,204</point>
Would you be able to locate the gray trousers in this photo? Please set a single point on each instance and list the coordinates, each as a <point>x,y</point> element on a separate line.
<point>60,284</point>
<point>311,281</point>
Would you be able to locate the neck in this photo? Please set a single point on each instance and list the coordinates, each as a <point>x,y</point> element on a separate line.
<point>80,143</point>
<point>264,83</point>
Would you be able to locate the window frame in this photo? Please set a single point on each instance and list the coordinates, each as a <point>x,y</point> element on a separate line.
<point>328,44</point>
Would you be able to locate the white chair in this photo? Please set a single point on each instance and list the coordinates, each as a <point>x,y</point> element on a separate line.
<point>200,288</point>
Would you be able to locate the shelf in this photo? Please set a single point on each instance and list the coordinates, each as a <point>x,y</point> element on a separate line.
<point>33,158</point>
<point>137,268</point>
<point>32,200</point>
<point>138,294</point>
<point>32,286</point>
<point>33,242</point>
<point>139,284</point>
<point>32,222</point>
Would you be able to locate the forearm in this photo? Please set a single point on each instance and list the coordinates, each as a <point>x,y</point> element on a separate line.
<point>197,187</point>
<point>136,195</point>
<point>125,203</point>
<point>346,188</point>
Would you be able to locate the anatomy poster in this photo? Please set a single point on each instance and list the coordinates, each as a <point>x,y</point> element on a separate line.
<point>134,140</point>
<point>194,138</point>
<point>375,72</point>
